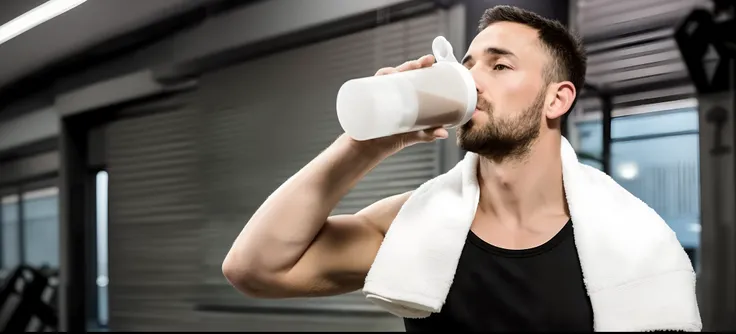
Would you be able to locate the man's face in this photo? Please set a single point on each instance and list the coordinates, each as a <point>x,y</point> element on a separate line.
<point>507,62</point>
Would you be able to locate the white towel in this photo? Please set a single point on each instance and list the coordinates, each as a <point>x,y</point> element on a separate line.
<point>636,273</point>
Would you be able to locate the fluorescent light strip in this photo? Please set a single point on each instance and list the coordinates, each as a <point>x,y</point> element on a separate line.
<point>36,16</point>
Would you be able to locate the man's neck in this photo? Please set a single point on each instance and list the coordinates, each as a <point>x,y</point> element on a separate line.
<point>521,192</point>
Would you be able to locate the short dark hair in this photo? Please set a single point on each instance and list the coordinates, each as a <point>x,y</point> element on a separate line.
<point>566,49</point>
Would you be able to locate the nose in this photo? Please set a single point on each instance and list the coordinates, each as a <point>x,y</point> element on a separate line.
<point>478,80</point>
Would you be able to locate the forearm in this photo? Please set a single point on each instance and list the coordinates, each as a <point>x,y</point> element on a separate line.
<point>281,230</point>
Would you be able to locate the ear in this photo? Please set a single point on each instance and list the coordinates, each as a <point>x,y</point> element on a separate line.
<point>563,94</point>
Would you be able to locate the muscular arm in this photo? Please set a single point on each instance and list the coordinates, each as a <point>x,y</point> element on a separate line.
<point>338,259</point>
<point>290,247</point>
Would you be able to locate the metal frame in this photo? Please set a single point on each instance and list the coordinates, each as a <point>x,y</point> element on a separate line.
<point>73,197</point>
<point>76,216</point>
<point>607,111</point>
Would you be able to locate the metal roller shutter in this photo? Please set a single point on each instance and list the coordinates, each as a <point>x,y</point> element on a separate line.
<point>266,119</point>
<point>155,215</point>
<point>631,50</point>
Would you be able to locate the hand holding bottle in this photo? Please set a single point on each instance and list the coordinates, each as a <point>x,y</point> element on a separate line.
<point>394,143</point>
<point>414,102</point>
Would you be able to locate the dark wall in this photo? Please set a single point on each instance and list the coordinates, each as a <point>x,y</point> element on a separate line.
<point>551,9</point>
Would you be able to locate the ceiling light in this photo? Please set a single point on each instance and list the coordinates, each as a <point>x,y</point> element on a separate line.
<point>36,16</point>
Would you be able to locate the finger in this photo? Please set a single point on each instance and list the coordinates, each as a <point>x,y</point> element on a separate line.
<point>435,133</point>
<point>386,70</point>
<point>440,133</point>
<point>409,65</point>
<point>426,61</point>
<point>426,135</point>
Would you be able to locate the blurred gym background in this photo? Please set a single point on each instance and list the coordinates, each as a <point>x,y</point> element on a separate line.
<point>137,137</point>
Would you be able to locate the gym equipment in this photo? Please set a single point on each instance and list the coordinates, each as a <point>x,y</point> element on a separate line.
<point>28,301</point>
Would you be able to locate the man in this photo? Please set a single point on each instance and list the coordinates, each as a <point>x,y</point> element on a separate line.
<point>519,269</point>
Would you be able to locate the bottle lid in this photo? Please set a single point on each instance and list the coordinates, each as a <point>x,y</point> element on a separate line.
<point>443,53</point>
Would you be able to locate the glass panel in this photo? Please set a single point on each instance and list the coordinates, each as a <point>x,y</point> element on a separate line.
<point>662,170</point>
<point>41,227</point>
<point>10,232</point>
<point>589,140</point>
<point>652,124</point>
<point>664,173</point>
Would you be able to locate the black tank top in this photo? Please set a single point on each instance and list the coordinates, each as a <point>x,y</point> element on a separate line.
<point>537,289</point>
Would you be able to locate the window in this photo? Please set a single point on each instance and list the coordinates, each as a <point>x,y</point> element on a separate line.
<point>41,227</point>
<point>30,227</point>
<point>654,155</point>
<point>10,232</point>
<point>590,144</point>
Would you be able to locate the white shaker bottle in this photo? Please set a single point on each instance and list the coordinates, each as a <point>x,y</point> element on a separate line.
<point>379,106</point>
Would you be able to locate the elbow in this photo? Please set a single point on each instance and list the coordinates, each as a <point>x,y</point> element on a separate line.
<point>239,275</point>
<point>231,271</point>
<point>246,279</point>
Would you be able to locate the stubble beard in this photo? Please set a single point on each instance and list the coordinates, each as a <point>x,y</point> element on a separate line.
<point>502,139</point>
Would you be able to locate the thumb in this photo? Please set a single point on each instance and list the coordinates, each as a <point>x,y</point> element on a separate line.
<point>440,133</point>
<point>432,134</point>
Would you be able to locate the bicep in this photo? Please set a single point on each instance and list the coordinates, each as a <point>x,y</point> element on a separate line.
<point>341,254</point>
<point>338,259</point>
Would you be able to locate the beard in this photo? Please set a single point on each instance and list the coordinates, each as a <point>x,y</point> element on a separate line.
<point>502,139</point>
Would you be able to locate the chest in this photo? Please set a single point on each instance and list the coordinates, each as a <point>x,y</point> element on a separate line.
<point>537,289</point>
<point>522,236</point>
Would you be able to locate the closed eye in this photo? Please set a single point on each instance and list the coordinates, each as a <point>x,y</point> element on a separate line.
<point>500,67</point>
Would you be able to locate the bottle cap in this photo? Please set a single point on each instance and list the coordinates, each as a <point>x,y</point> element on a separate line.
<point>443,53</point>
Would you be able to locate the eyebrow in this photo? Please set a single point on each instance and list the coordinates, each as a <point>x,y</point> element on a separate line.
<point>491,51</point>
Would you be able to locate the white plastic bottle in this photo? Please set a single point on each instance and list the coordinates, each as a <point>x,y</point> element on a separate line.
<point>378,106</point>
